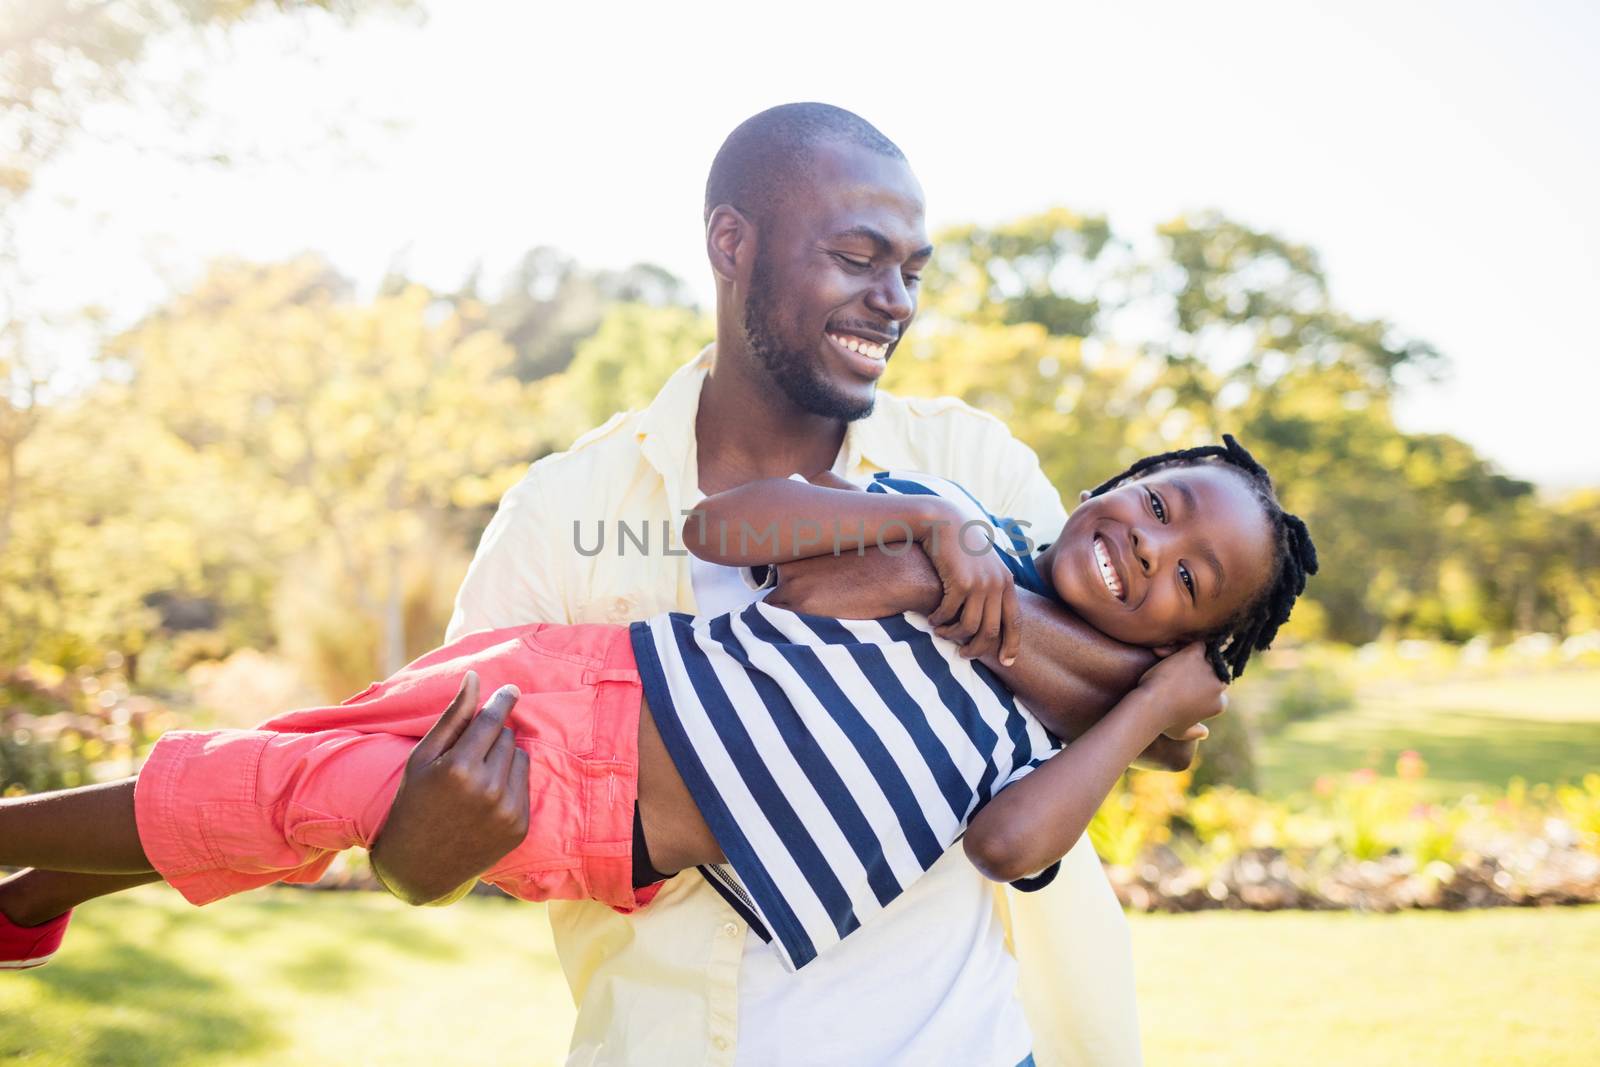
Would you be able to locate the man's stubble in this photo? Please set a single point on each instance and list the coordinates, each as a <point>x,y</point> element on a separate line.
<point>796,371</point>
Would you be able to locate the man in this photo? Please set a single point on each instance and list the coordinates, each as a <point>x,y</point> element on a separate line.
<point>814,230</point>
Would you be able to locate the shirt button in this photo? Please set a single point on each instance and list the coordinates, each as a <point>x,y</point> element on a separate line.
<point>720,1042</point>
<point>730,929</point>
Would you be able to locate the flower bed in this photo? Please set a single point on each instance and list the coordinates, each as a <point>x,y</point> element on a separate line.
<point>1362,841</point>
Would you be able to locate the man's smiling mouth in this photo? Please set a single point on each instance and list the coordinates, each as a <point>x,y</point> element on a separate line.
<point>860,346</point>
<point>1108,573</point>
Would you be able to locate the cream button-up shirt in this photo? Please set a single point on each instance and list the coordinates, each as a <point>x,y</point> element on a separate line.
<point>661,986</point>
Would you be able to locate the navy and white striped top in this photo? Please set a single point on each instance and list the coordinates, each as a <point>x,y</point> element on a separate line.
<point>834,760</point>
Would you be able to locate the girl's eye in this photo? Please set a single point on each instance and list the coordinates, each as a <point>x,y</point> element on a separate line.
<point>1158,507</point>
<point>1187,578</point>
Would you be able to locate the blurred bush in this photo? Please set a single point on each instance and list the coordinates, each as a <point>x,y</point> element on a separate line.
<point>1363,840</point>
<point>62,729</point>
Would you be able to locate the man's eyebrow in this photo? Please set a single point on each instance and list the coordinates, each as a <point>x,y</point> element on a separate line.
<point>880,243</point>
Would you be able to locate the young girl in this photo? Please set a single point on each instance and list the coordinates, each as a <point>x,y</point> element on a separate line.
<point>812,768</point>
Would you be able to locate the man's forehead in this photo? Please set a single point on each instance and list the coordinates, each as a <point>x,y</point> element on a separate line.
<point>850,186</point>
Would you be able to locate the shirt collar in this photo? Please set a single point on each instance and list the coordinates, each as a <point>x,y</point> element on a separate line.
<point>665,430</point>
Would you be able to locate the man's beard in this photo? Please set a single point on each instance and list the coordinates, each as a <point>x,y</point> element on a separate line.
<point>797,372</point>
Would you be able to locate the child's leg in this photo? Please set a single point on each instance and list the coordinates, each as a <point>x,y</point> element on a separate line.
<point>91,830</point>
<point>31,897</point>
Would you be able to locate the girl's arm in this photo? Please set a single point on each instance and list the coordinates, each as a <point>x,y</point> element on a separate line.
<point>777,520</point>
<point>1068,673</point>
<point>1034,822</point>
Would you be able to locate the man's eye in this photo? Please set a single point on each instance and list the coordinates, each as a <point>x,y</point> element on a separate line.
<point>851,261</point>
<point>1157,506</point>
<point>1187,579</point>
<point>912,280</point>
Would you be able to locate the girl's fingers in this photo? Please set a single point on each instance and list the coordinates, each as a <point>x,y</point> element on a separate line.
<point>1011,624</point>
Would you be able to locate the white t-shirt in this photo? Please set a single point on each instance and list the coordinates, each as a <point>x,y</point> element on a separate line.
<point>928,981</point>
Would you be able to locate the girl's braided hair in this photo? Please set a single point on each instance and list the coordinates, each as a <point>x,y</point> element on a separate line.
<point>1228,648</point>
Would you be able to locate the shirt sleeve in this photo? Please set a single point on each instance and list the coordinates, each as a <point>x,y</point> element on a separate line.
<point>513,578</point>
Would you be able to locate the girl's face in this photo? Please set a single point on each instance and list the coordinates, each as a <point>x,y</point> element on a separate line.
<point>1164,559</point>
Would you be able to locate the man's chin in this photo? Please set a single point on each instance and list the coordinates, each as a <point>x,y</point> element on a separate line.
<point>830,399</point>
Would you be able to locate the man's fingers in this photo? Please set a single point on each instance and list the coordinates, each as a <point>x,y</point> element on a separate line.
<point>1011,623</point>
<point>517,775</point>
<point>442,734</point>
<point>498,761</point>
<point>480,736</point>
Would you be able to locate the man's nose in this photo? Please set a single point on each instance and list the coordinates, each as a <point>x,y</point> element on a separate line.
<point>890,297</point>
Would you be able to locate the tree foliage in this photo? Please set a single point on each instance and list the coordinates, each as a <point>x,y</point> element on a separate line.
<point>274,458</point>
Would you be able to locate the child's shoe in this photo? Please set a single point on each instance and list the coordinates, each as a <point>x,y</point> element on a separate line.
<point>29,946</point>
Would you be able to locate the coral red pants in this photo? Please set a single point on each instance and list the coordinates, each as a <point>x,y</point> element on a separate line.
<point>224,811</point>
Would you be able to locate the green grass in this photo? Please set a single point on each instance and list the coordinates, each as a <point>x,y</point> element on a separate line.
<point>1474,734</point>
<point>346,978</point>
<point>1502,988</point>
<point>291,977</point>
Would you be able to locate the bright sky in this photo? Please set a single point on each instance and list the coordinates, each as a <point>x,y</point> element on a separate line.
<point>1443,157</point>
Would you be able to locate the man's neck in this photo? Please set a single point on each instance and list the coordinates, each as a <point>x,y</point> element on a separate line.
<point>747,429</point>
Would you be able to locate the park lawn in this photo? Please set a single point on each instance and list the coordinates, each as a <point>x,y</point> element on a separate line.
<point>1475,735</point>
<point>312,978</point>
<point>287,976</point>
<point>1498,988</point>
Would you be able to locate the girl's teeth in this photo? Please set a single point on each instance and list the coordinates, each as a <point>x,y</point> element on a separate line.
<point>1107,573</point>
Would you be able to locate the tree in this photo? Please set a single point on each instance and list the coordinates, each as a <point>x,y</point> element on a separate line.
<point>619,368</point>
<point>1095,356</point>
<point>60,62</point>
<point>361,426</point>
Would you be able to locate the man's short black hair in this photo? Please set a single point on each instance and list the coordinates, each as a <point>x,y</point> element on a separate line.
<point>766,152</point>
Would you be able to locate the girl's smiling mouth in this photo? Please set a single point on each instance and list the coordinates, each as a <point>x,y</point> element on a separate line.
<point>1108,573</point>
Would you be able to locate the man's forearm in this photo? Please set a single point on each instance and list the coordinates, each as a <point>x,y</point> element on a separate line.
<point>1068,673</point>
<point>775,520</point>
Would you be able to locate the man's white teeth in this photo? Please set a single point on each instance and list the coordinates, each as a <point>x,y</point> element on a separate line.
<point>1108,574</point>
<point>856,344</point>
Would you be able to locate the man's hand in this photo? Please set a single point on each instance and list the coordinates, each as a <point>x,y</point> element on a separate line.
<point>462,805</point>
<point>1172,754</point>
<point>866,586</point>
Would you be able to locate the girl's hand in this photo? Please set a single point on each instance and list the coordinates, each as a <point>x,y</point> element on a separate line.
<point>979,609</point>
<point>1181,691</point>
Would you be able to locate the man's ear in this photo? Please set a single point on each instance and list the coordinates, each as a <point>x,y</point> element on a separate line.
<point>1083,496</point>
<point>730,241</point>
